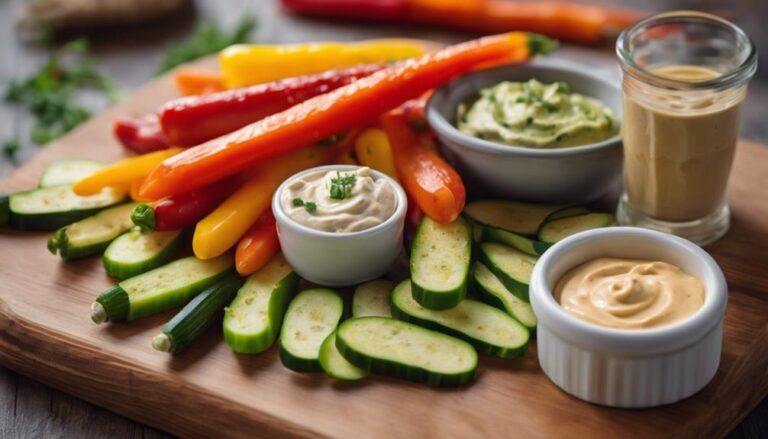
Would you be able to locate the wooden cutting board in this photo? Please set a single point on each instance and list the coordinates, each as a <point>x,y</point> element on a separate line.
<point>208,391</point>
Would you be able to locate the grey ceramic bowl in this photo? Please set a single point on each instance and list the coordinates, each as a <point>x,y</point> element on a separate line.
<point>562,176</point>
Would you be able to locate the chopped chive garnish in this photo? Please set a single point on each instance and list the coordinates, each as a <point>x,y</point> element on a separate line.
<point>341,185</point>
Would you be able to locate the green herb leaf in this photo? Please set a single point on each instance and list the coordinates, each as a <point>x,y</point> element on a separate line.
<point>310,206</point>
<point>208,39</point>
<point>341,185</point>
<point>297,202</point>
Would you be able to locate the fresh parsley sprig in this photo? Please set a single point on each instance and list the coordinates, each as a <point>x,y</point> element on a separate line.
<point>341,185</point>
<point>309,206</point>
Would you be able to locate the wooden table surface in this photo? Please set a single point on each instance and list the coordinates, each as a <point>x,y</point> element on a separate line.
<point>31,409</point>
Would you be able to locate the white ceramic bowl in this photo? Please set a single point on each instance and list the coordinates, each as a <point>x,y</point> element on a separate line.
<point>620,367</point>
<point>572,175</point>
<point>339,259</point>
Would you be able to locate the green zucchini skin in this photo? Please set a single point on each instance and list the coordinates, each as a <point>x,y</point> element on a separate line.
<point>494,293</point>
<point>431,259</point>
<point>565,212</point>
<point>5,209</point>
<point>561,228</point>
<point>196,316</point>
<point>144,217</point>
<point>278,282</point>
<point>170,243</point>
<point>373,298</point>
<point>531,246</point>
<point>371,356</point>
<point>493,255</point>
<point>462,321</point>
<point>73,241</point>
<point>55,218</point>
<point>335,365</point>
<point>67,172</point>
<point>513,216</point>
<point>304,310</point>
<point>161,289</point>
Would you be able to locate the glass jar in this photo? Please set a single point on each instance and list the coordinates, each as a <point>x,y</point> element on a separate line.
<point>685,78</point>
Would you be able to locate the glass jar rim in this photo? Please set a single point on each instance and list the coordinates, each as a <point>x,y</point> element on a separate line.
<point>735,76</point>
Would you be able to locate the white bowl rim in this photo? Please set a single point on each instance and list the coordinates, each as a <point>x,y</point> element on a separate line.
<point>638,341</point>
<point>445,128</point>
<point>397,215</point>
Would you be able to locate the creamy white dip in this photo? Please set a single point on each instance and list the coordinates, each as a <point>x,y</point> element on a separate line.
<point>312,201</point>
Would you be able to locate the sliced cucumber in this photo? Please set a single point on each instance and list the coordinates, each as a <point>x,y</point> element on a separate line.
<point>511,266</point>
<point>53,207</point>
<point>565,212</point>
<point>335,365</point>
<point>495,293</point>
<point>160,289</point>
<point>68,172</point>
<point>196,316</point>
<point>5,210</point>
<point>253,319</point>
<point>403,350</point>
<point>440,258</point>
<point>93,234</point>
<point>133,253</point>
<point>490,330</point>
<point>520,242</point>
<point>556,230</point>
<point>311,317</point>
<point>521,218</point>
<point>373,298</point>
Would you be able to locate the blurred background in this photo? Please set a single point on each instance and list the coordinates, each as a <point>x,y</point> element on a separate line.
<point>106,62</point>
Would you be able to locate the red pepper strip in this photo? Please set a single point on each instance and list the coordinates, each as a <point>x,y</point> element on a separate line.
<point>257,246</point>
<point>430,182</point>
<point>196,119</point>
<point>350,9</point>
<point>141,135</point>
<point>354,105</point>
<point>183,210</point>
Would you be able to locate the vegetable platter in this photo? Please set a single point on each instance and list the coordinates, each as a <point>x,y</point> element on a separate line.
<point>45,333</point>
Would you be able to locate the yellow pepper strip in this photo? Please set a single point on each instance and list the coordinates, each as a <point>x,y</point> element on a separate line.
<point>224,227</point>
<point>248,64</point>
<point>373,150</point>
<point>123,172</point>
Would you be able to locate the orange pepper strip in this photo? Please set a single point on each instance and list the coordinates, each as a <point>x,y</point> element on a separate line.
<point>431,182</point>
<point>257,246</point>
<point>123,172</point>
<point>318,118</point>
<point>222,228</point>
<point>191,82</point>
<point>134,193</point>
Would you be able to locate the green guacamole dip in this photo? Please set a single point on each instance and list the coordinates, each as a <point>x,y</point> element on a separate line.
<point>536,115</point>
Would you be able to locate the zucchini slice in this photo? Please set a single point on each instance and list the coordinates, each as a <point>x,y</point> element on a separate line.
<point>253,319</point>
<point>161,289</point>
<point>565,212</point>
<point>373,298</point>
<point>403,350</point>
<point>513,216</point>
<point>196,316</point>
<point>133,253</point>
<point>53,207</point>
<point>93,234</point>
<point>335,365</point>
<point>520,242</point>
<point>311,317</point>
<point>496,294</point>
<point>68,172</point>
<point>440,258</point>
<point>511,266</point>
<point>556,230</point>
<point>490,330</point>
<point>5,210</point>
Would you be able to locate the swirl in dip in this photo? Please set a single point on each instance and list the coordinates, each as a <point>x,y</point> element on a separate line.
<point>629,293</point>
<point>339,201</point>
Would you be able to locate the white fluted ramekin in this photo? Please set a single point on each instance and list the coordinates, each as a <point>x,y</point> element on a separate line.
<point>341,259</point>
<point>621,367</point>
